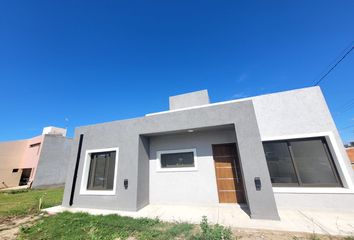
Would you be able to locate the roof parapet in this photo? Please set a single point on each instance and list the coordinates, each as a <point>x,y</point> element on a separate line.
<point>191,99</point>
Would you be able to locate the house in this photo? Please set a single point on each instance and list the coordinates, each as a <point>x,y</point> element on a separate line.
<point>350,152</point>
<point>263,152</point>
<point>38,162</point>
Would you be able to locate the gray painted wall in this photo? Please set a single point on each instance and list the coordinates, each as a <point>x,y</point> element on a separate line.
<point>187,187</point>
<point>53,161</point>
<point>143,189</point>
<point>131,165</point>
<point>189,100</point>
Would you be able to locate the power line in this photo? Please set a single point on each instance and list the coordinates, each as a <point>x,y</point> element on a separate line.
<point>334,66</point>
<point>334,61</point>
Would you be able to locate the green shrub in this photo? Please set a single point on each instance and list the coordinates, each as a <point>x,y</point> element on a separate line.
<point>216,232</point>
<point>314,237</point>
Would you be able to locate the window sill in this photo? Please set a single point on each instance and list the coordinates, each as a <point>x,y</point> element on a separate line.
<point>313,190</point>
<point>97,193</point>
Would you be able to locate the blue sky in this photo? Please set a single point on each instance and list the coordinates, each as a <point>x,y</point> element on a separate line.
<point>97,61</point>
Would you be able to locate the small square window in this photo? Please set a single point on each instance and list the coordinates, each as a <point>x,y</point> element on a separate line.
<point>15,170</point>
<point>99,172</point>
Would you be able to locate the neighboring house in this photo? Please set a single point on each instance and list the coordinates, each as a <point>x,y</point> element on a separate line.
<point>38,162</point>
<point>350,152</point>
<point>263,152</point>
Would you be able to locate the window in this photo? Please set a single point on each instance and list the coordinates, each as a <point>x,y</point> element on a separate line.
<point>15,170</point>
<point>100,172</point>
<point>279,162</point>
<point>180,160</point>
<point>173,160</point>
<point>301,162</point>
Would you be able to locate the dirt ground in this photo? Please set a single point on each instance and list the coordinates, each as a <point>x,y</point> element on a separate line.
<point>253,234</point>
<point>10,226</point>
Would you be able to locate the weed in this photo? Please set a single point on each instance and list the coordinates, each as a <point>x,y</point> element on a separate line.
<point>314,237</point>
<point>216,232</point>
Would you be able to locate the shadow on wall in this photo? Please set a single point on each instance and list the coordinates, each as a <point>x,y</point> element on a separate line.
<point>193,186</point>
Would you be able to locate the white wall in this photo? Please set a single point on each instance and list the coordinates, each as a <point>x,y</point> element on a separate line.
<point>194,187</point>
<point>292,112</point>
<point>54,131</point>
<point>304,113</point>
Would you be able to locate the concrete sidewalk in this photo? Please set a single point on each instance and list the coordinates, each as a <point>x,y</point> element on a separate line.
<point>309,221</point>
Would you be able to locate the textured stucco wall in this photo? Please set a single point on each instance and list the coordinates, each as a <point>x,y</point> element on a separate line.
<point>189,187</point>
<point>53,161</point>
<point>292,112</point>
<point>143,188</point>
<point>189,100</point>
<point>121,134</point>
<point>11,155</point>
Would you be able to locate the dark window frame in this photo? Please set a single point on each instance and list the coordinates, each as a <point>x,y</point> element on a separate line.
<point>92,168</point>
<point>300,183</point>
<point>179,167</point>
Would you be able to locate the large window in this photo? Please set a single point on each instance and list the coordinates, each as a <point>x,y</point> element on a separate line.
<point>176,160</point>
<point>99,172</point>
<point>301,162</point>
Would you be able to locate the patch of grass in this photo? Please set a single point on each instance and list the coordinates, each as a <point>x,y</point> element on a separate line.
<point>28,201</point>
<point>84,226</point>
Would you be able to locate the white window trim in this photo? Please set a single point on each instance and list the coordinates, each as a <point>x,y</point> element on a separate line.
<point>337,152</point>
<point>86,169</point>
<point>181,169</point>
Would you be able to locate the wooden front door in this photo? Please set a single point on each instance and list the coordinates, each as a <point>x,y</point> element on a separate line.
<point>228,173</point>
